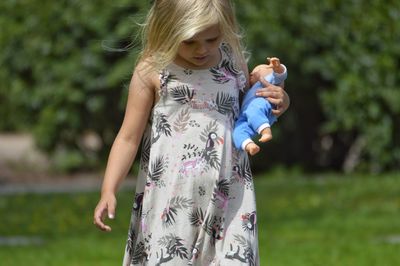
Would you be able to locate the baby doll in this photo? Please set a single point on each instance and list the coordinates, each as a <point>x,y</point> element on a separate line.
<point>256,112</point>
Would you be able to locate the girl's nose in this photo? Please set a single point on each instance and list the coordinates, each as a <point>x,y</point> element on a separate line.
<point>201,49</point>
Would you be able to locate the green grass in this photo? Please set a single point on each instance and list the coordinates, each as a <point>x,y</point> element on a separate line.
<point>329,221</point>
<point>325,220</point>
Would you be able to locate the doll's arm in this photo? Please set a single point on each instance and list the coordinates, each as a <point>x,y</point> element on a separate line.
<point>275,64</point>
<point>259,72</point>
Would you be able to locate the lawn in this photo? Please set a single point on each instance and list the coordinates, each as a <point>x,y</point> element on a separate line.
<point>316,220</point>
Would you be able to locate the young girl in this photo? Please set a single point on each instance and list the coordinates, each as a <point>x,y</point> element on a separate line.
<point>194,202</point>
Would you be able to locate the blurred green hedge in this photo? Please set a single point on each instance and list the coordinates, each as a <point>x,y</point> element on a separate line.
<point>65,70</point>
<point>66,65</point>
<point>343,59</point>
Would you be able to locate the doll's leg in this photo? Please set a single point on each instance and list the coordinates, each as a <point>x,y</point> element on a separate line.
<point>266,134</point>
<point>257,114</point>
<point>252,148</point>
<point>242,134</point>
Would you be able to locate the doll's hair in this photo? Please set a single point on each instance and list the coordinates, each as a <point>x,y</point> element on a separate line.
<point>169,22</point>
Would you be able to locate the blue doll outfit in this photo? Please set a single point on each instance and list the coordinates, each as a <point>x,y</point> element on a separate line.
<point>256,112</point>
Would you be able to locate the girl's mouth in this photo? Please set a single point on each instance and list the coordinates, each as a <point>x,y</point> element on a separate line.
<point>200,58</point>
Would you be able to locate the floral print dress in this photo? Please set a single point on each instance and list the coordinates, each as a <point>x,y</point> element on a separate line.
<point>194,201</point>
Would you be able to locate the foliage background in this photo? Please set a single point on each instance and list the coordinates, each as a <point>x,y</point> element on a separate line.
<point>66,65</point>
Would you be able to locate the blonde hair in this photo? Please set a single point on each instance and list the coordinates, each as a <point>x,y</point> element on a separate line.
<point>169,22</point>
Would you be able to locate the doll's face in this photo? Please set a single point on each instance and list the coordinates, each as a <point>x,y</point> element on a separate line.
<point>258,72</point>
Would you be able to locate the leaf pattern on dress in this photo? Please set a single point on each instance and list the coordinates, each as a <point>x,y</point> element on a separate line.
<point>182,94</point>
<point>165,79</point>
<point>162,127</point>
<point>171,210</point>
<point>221,193</point>
<point>224,72</point>
<point>157,168</point>
<point>224,103</point>
<point>168,216</point>
<point>223,186</point>
<point>227,49</point>
<point>146,146</point>
<point>243,171</point>
<point>196,217</point>
<point>246,255</point>
<point>219,75</point>
<point>182,121</point>
<point>212,160</point>
<point>139,254</point>
<point>131,241</point>
<point>192,152</point>
<point>173,247</point>
<point>213,226</point>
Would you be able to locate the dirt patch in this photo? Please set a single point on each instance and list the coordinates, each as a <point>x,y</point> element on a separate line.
<point>20,160</point>
<point>24,169</point>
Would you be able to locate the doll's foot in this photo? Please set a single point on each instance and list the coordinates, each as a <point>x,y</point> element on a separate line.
<point>266,135</point>
<point>252,148</point>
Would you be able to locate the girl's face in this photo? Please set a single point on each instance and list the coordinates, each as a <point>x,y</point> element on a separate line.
<point>201,51</point>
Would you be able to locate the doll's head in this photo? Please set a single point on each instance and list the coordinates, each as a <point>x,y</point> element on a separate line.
<point>263,70</point>
<point>169,22</point>
<point>258,72</point>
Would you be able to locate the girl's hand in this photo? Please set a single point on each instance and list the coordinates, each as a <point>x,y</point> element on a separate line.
<point>106,206</point>
<point>275,95</point>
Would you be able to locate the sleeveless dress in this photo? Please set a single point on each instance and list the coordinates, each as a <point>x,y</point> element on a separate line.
<point>194,201</point>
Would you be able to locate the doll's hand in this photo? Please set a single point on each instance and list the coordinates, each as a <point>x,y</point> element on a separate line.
<point>106,206</point>
<point>275,64</point>
<point>275,95</point>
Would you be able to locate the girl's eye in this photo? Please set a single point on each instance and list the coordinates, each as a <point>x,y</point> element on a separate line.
<point>213,39</point>
<point>188,42</point>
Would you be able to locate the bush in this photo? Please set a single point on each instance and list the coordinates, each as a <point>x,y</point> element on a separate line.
<point>343,58</point>
<point>60,75</point>
<point>60,80</point>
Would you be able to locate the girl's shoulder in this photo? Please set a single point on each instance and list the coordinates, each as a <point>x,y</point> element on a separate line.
<point>146,74</point>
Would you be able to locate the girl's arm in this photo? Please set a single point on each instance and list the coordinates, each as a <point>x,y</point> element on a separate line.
<point>124,149</point>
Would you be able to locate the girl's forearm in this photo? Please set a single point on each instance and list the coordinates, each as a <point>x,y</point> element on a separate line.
<point>122,155</point>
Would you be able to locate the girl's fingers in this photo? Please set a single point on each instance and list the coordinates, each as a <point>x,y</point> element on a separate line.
<point>278,111</point>
<point>270,92</point>
<point>275,101</point>
<point>111,210</point>
<point>275,95</point>
<point>99,215</point>
<point>279,107</point>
